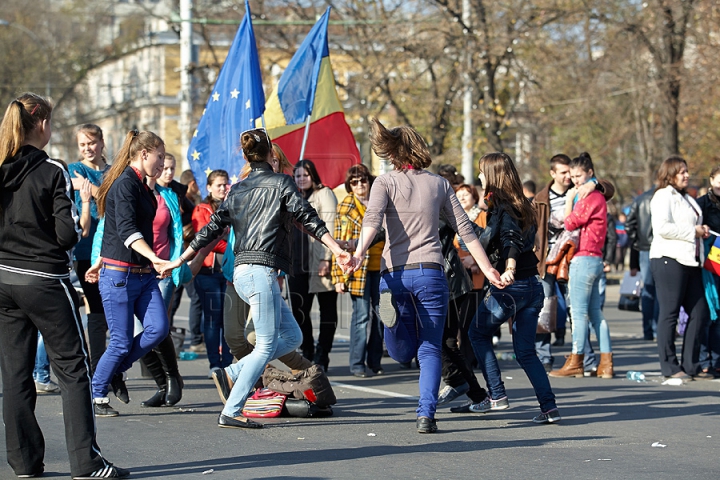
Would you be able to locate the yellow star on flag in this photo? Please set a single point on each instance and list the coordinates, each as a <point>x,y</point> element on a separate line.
<point>208,172</point>
<point>195,155</point>
<point>234,93</point>
<point>234,179</point>
<point>216,97</point>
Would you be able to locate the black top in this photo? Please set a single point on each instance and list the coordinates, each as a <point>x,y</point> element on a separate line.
<point>710,206</point>
<point>129,213</point>
<point>503,238</point>
<point>262,210</point>
<point>38,218</point>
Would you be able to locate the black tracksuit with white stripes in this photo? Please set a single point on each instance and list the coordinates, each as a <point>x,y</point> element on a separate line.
<point>38,227</point>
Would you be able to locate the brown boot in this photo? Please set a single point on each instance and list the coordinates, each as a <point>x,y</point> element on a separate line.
<point>573,367</point>
<point>605,369</point>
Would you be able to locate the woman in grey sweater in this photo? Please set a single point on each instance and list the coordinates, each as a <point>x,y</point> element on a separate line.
<point>411,200</point>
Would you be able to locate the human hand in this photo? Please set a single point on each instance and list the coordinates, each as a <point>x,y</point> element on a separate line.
<point>494,278</point>
<point>508,277</point>
<point>468,262</point>
<point>324,268</point>
<point>85,190</point>
<point>340,287</point>
<point>702,231</point>
<point>584,190</point>
<point>353,265</point>
<point>77,181</point>
<point>93,273</point>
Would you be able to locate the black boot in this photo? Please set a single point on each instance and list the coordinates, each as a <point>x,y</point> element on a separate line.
<point>559,337</point>
<point>152,362</point>
<point>168,358</point>
<point>157,400</point>
<point>174,389</point>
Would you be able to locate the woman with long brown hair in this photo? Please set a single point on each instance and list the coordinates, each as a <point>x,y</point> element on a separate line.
<point>509,238</point>
<point>676,258</point>
<point>127,266</point>
<point>411,200</point>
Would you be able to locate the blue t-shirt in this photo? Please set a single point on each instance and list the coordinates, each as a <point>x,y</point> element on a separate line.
<point>84,247</point>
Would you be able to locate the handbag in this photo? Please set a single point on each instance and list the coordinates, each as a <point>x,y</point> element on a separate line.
<point>264,403</point>
<point>630,290</point>
<point>547,320</point>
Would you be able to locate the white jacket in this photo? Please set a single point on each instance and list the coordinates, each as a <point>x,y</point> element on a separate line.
<point>673,223</point>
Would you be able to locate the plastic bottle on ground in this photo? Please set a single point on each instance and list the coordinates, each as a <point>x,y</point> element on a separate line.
<point>635,376</point>
<point>188,355</point>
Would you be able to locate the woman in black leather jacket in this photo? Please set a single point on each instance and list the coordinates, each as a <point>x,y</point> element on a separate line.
<point>261,210</point>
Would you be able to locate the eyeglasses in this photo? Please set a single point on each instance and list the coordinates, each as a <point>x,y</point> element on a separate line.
<point>355,181</point>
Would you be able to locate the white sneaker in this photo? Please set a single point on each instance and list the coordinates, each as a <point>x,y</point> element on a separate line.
<point>47,388</point>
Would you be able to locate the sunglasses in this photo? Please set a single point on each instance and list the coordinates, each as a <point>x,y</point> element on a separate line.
<point>355,181</point>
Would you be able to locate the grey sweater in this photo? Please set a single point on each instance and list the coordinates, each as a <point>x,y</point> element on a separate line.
<point>410,202</point>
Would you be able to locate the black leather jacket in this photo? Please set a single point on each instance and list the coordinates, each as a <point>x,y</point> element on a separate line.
<point>262,210</point>
<point>639,223</point>
<point>502,238</point>
<point>459,282</point>
<point>710,211</point>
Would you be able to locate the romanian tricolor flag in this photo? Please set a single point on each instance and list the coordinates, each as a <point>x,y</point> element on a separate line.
<point>712,262</point>
<point>307,89</point>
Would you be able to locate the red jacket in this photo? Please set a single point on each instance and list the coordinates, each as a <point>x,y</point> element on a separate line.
<point>201,217</point>
<point>590,216</point>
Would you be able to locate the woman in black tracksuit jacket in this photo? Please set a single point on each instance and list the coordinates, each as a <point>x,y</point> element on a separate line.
<point>38,227</point>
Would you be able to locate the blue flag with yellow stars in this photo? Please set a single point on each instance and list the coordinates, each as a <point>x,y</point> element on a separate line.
<point>236,101</point>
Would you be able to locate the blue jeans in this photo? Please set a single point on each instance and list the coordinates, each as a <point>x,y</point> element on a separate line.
<point>585,275</point>
<point>364,346</point>
<point>276,331</point>
<point>167,288</point>
<point>528,297</point>
<point>421,300</point>
<point>126,296</point>
<point>211,290</point>
<point>648,298</point>
<point>41,373</point>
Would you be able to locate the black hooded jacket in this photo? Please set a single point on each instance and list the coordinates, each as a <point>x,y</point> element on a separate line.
<point>38,218</point>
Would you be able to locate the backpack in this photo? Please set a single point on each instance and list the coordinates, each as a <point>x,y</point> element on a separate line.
<point>310,384</point>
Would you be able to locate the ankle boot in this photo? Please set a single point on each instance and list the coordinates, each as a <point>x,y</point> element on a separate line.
<point>174,389</point>
<point>605,369</point>
<point>157,400</point>
<point>573,367</point>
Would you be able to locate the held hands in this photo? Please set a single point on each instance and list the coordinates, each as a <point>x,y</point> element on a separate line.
<point>345,260</point>
<point>507,278</point>
<point>340,288</point>
<point>164,268</point>
<point>494,278</point>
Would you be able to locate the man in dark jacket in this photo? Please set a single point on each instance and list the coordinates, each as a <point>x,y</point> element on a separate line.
<point>640,235</point>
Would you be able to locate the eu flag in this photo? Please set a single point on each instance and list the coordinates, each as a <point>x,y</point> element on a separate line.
<point>236,101</point>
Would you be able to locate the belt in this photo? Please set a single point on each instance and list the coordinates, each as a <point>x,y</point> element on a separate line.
<point>412,266</point>
<point>130,269</point>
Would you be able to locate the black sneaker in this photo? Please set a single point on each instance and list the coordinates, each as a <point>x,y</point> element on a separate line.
<point>464,408</point>
<point>426,425</point>
<point>102,408</point>
<point>111,471</point>
<point>119,388</point>
<point>553,416</point>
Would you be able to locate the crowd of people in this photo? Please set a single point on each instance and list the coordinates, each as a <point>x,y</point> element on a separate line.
<point>433,268</point>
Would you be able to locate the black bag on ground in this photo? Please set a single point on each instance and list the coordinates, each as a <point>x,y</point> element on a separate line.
<point>305,409</point>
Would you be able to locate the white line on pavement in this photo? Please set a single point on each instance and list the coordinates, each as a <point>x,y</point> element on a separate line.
<point>376,391</point>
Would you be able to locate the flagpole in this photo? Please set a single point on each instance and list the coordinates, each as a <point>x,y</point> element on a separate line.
<point>305,137</point>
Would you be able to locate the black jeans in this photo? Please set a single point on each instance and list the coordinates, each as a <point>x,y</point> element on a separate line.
<point>679,286</point>
<point>29,304</point>
<point>456,369</point>
<point>302,301</point>
<point>97,324</point>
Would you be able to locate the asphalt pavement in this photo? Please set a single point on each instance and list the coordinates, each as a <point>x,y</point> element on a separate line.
<point>613,428</point>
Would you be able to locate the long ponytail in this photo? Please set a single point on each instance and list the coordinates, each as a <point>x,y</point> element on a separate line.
<point>134,143</point>
<point>21,117</point>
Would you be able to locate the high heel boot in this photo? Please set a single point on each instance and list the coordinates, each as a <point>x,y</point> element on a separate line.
<point>154,366</point>
<point>175,384</point>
